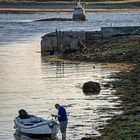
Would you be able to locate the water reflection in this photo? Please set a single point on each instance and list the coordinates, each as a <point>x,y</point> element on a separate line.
<point>59,66</point>
<point>18,136</point>
<point>60,69</point>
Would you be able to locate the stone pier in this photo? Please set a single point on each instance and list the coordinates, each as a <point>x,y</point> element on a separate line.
<point>59,42</point>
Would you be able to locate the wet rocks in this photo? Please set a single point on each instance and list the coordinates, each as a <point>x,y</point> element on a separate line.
<point>91,87</point>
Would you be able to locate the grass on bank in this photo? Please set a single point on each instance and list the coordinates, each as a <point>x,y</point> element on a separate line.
<point>116,49</point>
<point>87,2</point>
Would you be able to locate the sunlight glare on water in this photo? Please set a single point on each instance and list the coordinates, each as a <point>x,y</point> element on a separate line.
<point>29,82</point>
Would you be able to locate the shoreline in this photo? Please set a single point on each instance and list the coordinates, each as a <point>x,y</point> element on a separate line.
<point>125,58</point>
<point>40,11</point>
<point>53,7</point>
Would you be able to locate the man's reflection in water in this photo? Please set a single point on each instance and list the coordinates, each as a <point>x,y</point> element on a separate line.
<point>18,136</point>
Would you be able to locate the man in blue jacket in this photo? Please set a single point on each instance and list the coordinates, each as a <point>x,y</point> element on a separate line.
<point>62,118</point>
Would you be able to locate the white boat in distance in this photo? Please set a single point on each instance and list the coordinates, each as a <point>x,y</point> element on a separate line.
<point>37,128</point>
<point>79,12</point>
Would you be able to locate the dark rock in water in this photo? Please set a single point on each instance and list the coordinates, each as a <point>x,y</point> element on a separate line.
<point>91,87</point>
<point>55,19</point>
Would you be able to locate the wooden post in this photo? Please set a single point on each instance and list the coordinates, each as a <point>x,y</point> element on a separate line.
<point>57,39</point>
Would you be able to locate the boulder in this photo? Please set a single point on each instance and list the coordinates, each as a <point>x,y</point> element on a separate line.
<point>91,87</point>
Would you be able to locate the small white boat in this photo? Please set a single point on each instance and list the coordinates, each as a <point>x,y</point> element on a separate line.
<point>79,12</point>
<point>36,127</point>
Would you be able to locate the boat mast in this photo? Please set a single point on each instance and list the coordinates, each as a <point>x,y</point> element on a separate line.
<point>79,3</point>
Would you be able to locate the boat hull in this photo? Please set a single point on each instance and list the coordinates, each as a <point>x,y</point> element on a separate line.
<point>46,128</point>
<point>79,14</point>
<point>34,136</point>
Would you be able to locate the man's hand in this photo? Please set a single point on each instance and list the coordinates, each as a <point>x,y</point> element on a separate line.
<point>53,115</point>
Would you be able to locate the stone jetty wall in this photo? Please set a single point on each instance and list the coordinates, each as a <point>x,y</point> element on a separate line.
<point>120,31</point>
<point>62,41</point>
<point>68,41</point>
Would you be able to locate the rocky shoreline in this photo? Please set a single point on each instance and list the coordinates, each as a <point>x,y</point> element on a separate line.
<point>121,53</point>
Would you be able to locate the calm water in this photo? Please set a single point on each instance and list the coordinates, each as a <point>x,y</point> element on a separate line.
<point>27,81</point>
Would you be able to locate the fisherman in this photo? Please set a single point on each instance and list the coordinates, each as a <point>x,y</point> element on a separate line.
<point>62,118</point>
